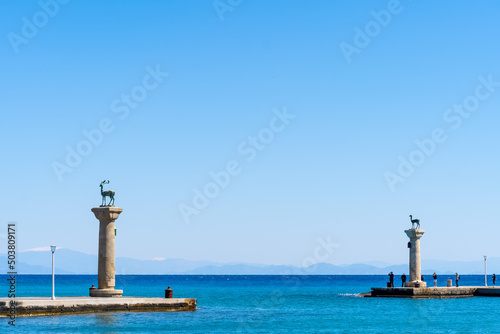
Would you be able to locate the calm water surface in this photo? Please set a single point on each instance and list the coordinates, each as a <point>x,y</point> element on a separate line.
<point>263,304</point>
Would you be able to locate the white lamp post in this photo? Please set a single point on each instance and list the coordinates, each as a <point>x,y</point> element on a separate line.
<point>485,277</point>
<point>53,250</point>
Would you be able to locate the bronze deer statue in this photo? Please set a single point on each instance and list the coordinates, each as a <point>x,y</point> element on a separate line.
<point>414,222</point>
<point>107,193</point>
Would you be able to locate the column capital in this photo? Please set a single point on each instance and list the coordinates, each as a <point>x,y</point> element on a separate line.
<point>414,233</point>
<point>107,212</point>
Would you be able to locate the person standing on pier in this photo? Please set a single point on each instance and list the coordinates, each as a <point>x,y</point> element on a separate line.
<point>494,279</point>
<point>457,278</point>
<point>403,280</point>
<point>391,279</point>
<point>435,277</point>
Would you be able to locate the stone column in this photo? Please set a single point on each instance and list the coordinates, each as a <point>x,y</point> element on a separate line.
<point>415,267</point>
<point>106,267</point>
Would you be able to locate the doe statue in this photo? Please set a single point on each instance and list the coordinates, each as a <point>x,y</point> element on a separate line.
<point>107,193</point>
<point>414,222</point>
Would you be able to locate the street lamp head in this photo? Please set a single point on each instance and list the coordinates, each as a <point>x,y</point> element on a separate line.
<point>52,249</point>
<point>484,257</point>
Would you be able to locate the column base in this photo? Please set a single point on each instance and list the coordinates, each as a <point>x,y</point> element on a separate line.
<point>415,284</point>
<point>105,293</point>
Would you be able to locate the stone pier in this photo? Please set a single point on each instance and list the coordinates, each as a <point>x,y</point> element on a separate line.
<point>415,266</point>
<point>441,292</point>
<point>39,306</point>
<point>106,267</point>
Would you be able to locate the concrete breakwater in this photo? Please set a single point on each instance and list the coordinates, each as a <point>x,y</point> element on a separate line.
<point>36,306</point>
<point>434,292</point>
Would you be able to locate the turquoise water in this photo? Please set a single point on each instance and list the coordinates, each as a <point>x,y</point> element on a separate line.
<point>263,304</point>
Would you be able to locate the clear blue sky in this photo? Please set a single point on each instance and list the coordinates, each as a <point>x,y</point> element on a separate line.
<point>323,174</point>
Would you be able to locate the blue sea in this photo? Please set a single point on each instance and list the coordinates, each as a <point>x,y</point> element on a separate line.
<point>262,304</point>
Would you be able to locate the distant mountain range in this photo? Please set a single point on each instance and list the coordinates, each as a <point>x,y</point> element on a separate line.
<point>72,262</point>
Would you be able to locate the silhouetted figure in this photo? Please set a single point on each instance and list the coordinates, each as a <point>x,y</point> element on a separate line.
<point>435,277</point>
<point>391,279</point>
<point>422,278</point>
<point>457,278</point>
<point>403,280</point>
<point>494,278</point>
